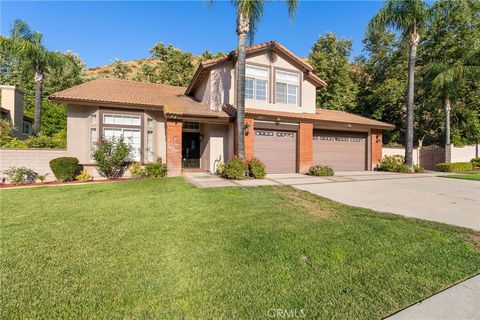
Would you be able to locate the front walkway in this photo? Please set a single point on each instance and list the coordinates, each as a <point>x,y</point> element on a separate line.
<point>207,180</point>
<point>458,302</point>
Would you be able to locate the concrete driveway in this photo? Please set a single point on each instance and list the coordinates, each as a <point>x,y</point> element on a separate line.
<point>424,196</point>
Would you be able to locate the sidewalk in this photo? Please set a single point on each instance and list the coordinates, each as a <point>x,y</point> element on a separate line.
<point>459,302</point>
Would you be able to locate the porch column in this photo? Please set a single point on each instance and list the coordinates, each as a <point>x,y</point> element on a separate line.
<point>173,132</point>
<point>376,147</point>
<point>248,139</point>
<point>305,144</point>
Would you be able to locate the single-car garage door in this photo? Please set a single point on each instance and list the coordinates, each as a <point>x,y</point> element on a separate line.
<point>277,149</point>
<point>343,150</point>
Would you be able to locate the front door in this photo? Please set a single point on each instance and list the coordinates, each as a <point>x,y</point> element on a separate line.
<point>191,150</point>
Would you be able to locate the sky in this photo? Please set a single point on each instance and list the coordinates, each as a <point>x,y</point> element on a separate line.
<point>101,31</point>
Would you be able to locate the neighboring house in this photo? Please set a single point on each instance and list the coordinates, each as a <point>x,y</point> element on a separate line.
<point>194,127</point>
<point>12,111</point>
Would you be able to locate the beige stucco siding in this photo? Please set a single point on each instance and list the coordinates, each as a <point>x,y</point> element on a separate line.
<point>216,145</point>
<point>158,128</point>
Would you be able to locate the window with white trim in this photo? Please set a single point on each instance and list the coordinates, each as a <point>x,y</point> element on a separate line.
<point>149,122</point>
<point>93,139</point>
<point>93,118</point>
<point>131,136</point>
<point>256,83</point>
<point>121,119</point>
<point>149,150</point>
<point>286,87</point>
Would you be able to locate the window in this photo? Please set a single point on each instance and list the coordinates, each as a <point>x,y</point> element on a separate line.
<point>121,119</point>
<point>93,118</point>
<point>149,153</point>
<point>286,87</point>
<point>132,136</point>
<point>256,83</point>
<point>27,127</point>
<point>149,122</point>
<point>191,125</point>
<point>93,139</point>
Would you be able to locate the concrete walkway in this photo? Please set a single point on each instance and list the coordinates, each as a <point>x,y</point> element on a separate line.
<point>207,180</point>
<point>461,301</point>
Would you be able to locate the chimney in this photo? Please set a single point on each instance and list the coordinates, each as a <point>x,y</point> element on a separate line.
<point>12,102</point>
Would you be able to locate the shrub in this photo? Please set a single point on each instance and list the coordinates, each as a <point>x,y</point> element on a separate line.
<point>220,168</point>
<point>256,169</point>
<point>455,166</point>
<point>418,169</point>
<point>84,176</point>
<point>64,168</point>
<point>393,163</point>
<point>42,177</point>
<point>137,170</point>
<point>476,162</point>
<point>235,169</point>
<point>321,170</point>
<point>111,157</point>
<point>21,175</point>
<point>155,170</point>
<point>44,141</point>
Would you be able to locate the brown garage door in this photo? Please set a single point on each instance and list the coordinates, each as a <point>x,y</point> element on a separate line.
<point>277,149</point>
<point>344,151</point>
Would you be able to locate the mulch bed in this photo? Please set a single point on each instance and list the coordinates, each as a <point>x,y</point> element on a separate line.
<point>49,183</point>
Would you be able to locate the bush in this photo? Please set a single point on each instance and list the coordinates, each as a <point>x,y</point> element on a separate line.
<point>155,170</point>
<point>256,169</point>
<point>220,168</point>
<point>321,170</point>
<point>235,169</point>
<point>42,177</point>
<point>84,176</point>
<point>21,175</point>
<point>137,170</point>
<point>64,168</point>
<point>418,169</point>
<point>393,163</point>
<point>476,162</point>
<point>111,157</point>
<point>454,166</point>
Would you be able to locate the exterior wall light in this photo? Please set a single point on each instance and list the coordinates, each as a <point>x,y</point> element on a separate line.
<point>246,129</point>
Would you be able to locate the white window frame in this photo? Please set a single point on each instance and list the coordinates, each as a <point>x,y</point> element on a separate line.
<point>123,117</point>
<point>288,83</point>
<point>149,146</point>
<point>132,156</point>
<point>255,78</point>
<point>93,139</point>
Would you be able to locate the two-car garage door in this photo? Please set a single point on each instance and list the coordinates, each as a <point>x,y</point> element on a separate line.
<point>344,151</point>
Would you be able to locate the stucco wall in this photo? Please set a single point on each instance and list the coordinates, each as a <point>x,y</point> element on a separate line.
<point>35,159</point>
<point>78,131</point>
<point>465,153</point>
<point>400,151</point>
<point>217,145</point>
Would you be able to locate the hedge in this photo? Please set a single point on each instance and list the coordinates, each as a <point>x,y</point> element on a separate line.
<point>454,166</point>
<point>64,168</point>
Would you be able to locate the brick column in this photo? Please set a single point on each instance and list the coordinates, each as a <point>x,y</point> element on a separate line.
<point>305,151</point>
<point>376,147</point>
<point>248,139</point>
<point>173,134</point>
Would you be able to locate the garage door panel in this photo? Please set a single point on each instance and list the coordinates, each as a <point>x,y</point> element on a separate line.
<point>344,151</point>
<point>277,149</point>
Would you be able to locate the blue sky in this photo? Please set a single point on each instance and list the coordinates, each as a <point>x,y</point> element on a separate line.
<point>100,31</point>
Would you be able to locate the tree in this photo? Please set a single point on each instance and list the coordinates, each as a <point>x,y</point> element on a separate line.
<point>329,59</point>
<point>409,17</point>
<point>120,69</point>
<point>176,67</point>
<point>249,14</point>
<point>26,47</point>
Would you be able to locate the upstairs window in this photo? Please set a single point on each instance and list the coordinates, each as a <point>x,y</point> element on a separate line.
<point>286,87</point>
<point>256,83</point>
<point>121,119</point>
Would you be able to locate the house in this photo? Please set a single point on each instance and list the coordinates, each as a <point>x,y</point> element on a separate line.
<point>194,127</point>
<point>11,109</point>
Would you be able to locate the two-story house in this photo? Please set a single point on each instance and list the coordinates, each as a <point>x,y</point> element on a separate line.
<point>194,127</point>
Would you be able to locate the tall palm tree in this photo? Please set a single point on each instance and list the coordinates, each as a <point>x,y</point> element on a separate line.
<point>26,46</point>
<point>409,17</point>
<point>249,13</point>
<point>447,78</point>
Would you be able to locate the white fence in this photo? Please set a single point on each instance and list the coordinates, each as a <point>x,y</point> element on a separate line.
<point>35,159</point>
<point>464,154</point>
<point>390,151</point>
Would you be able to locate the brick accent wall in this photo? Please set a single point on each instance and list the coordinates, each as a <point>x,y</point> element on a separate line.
<point>174,147</point>
<point>248,140</point>
<point>376,147</point>
<point>305,151</point>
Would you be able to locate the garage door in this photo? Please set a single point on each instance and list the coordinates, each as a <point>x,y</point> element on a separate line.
<point>277,149</point>
<point>344,151</point>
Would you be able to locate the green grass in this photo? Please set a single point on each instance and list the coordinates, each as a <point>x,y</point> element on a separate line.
<point>165,249</point>
<point>466,176</point>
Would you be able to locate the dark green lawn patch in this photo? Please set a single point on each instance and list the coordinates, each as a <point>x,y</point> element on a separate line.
<point>165,249</point>
<point>466,176</point>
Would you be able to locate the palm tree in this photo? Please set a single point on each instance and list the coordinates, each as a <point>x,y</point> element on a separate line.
<point>409,17</point>
<point>447,78</point>
<point>249,13</point>
<point>26,46</point>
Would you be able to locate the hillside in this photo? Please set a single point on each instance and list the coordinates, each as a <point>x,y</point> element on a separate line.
<point>107,70</point>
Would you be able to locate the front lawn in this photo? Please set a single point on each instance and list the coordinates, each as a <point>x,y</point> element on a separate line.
<point>165,249</point>
<point>466,176</point>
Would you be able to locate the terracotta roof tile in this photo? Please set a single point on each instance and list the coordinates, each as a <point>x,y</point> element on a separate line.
<point>200,110</point>
<point>320,115</point>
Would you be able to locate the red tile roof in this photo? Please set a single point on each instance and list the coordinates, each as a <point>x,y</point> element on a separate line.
<point>322,115</point>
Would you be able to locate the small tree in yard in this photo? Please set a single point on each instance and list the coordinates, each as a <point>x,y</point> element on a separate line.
<point>112,157</point>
